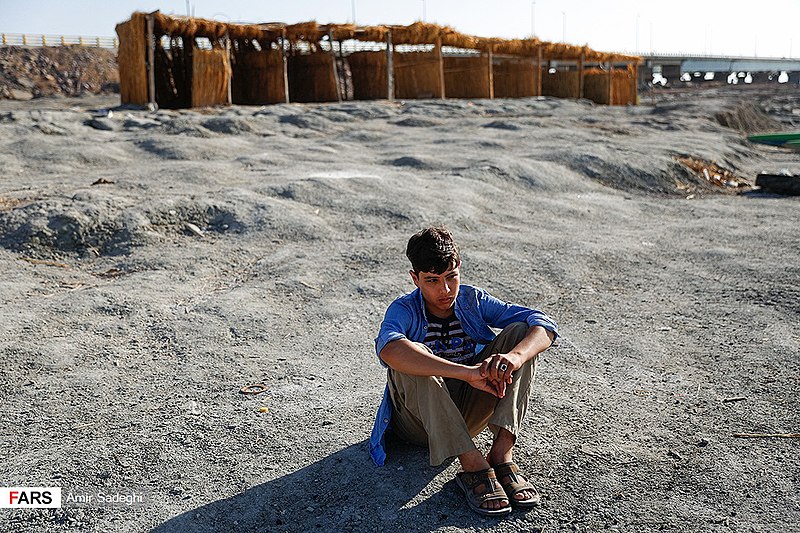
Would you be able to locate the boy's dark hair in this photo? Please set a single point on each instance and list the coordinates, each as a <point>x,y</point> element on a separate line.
<point>432,250</point>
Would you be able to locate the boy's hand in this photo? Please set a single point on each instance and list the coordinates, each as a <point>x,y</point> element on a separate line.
<point>484,383</point>
<point>498,367</point>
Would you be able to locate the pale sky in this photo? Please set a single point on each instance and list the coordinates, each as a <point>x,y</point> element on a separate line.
<point>766,28</point>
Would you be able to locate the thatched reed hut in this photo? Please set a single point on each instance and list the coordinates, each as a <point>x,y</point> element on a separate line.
<point>190,62</point>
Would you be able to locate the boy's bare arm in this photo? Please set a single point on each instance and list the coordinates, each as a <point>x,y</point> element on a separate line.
<point>406,357</point>
<point>499,366</point>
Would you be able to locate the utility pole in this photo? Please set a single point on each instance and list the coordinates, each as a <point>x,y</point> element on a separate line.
<point>188,11</point>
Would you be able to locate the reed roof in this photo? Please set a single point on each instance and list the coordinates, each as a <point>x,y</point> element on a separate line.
<point>417,33</point>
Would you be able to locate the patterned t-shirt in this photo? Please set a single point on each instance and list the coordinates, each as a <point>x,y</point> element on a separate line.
<point>447,340</point>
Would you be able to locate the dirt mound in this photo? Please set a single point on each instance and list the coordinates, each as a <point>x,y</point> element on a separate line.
<point>62,70</point>
<point>747,118</point>
<point>90,224</point>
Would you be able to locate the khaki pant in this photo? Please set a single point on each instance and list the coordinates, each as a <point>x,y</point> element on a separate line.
<point>445,414</point>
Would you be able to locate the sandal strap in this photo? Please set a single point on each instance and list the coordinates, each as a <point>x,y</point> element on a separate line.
<point>516,482</point>
<point>493,490</point>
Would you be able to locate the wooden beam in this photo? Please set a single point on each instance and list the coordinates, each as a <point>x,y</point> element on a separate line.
<point>230,67</point>
<point>345,82</point>
<point>151,55</point>
<point>285,66</point>
<point>580,76</point>
<point>490,71</point>
<point>539,71</point>
<point>610,83</point>
<point>441,67</point>
<point>335,68</point>
<point>389,66</point>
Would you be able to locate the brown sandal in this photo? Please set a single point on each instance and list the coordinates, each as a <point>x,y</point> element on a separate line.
<point>516,483</point>
<point>492,491</point>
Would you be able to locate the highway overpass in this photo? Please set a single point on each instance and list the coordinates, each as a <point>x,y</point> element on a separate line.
<point>674,67</point>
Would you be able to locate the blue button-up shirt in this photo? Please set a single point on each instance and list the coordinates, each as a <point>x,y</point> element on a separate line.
<point>477,310</point>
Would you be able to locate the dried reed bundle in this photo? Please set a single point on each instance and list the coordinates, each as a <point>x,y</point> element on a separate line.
<point>372,33</point>
<point>304,31</point>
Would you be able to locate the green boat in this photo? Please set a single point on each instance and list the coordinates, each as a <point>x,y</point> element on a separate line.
<point>775,139</point>
<point>792,145</point>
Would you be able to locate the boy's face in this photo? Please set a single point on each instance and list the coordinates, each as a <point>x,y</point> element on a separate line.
<point>439,290</point>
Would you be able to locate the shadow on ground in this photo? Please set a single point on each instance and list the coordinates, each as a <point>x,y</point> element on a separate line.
<point>341,492</point>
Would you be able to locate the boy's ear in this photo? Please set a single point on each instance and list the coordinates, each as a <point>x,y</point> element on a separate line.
<point>414,278</point>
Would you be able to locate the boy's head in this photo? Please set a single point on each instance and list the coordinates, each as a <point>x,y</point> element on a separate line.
<point>432,250</point>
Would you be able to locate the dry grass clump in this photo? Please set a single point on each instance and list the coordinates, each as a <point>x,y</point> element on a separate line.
<point>9,203</point>
<point>747,118</point>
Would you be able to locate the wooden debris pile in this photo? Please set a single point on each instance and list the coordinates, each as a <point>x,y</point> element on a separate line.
<point>715,174</point>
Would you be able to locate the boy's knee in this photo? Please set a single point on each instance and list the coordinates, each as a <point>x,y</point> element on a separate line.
<point>418,382</point>
<point>517,329</point>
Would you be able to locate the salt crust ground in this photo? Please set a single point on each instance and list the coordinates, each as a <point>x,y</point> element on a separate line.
<point>126,334</point>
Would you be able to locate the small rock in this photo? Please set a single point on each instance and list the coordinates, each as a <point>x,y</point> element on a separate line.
<point>140,123</point>
<point>16,94</point>
<point>102,124</point>
<point>674,455</point>
<point>702,443</point>
<point>194,229</point>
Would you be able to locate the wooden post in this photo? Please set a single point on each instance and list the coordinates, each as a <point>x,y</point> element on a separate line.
<point>63,41</point>
<point>580,76</point>
<point>344,74</point>
<point>610,82</point>
<point>389,66</point>
<point>440,58</point>
<point>80,41</point>
<point>490,71</point>
<point>539,72</point>
<point>44,40</point>
<point>635,91</point>
<point>335,68</point>
<point>98,42</point>
<point>230,68</point>
<point>5,40</point>
<point>151,54</point>
<point>285,66</point>
<point>24,40</point>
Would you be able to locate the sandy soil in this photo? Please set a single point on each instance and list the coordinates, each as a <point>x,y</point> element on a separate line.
<point>223,248</point>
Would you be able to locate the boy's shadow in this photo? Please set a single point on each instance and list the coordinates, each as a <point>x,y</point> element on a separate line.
<point>341,492</point>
